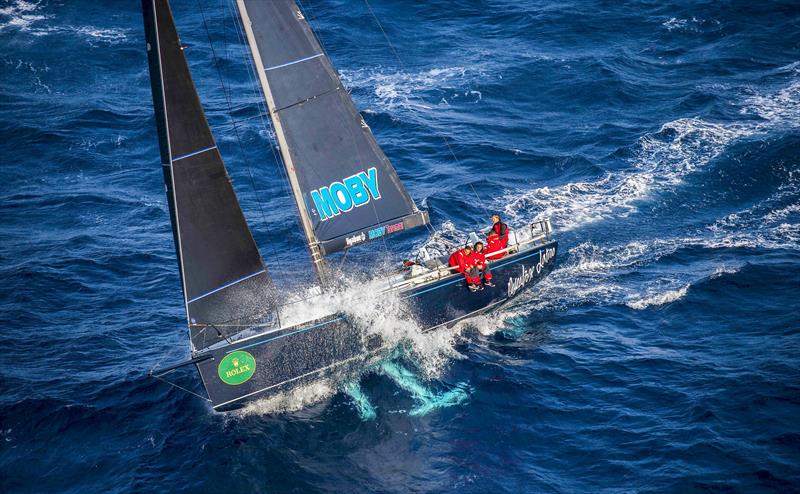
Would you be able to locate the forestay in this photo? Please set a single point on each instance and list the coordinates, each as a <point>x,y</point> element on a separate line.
<point>225,283</point>
<point>345,187</point>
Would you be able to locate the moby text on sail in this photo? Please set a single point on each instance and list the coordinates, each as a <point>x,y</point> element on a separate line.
<point>515,283</point>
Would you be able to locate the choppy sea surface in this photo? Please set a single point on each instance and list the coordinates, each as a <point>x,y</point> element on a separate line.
<point>662,139</point>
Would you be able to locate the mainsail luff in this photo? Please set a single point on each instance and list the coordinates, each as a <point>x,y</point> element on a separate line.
<point>317,259</point>
<point>344,186</point>
<point>225,283</point>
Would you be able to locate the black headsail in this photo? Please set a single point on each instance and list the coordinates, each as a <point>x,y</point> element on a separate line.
<point>225,284</point>
<point>345,188</point>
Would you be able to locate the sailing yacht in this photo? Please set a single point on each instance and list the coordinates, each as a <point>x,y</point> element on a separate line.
<point>346,191</point>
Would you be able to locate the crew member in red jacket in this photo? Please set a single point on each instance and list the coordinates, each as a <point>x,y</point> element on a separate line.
<point>457,258</point>
<point>501,229</point>
<point>493,244</point>
<point>463,261</point>
<point>480,262</point>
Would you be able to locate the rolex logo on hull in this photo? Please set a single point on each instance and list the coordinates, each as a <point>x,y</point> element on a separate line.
<point>237,368</point>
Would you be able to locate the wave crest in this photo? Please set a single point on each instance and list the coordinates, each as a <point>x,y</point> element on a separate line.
<point>658,298</point>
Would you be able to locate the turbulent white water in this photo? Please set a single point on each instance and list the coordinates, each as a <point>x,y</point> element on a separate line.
<point>658,298</point>
<point>295,399</point>
<point>663,159</point>
<point>375,312</point>
<point>411,92</point>
<point>28,18</point>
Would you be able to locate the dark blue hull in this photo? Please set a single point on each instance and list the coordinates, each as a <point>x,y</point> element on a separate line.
<point>333,345</point>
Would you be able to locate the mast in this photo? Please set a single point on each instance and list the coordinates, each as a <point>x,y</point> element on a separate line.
<point>317,260</point>
<point>345,189</point>
<point>226,288</point>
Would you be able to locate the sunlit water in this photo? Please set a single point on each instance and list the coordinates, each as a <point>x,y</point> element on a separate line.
<point>661,139</point>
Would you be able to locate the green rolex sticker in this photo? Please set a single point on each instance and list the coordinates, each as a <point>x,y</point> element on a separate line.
<point>236,368</point>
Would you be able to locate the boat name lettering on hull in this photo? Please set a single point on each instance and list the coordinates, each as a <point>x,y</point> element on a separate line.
<point>342,196</point>
<point>515,284</point>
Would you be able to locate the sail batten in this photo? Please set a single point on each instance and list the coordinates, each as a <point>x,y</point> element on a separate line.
<point>294,62</point>
<point>223,276</point>
<point>345,188</point>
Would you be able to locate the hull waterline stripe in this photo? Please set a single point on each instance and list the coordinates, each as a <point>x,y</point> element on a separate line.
<point>459,319</point>
<point>285,335</point>
<point>292,63</point>
<point>226,286</point>
<point>194,153</point>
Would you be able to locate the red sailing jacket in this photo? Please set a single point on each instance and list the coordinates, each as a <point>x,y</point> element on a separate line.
<point>501,229</point>
<point>461,260</point>
<point>493,245</point>
<point>479,258</point>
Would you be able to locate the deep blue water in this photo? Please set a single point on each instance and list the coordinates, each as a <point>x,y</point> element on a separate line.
<point>662,355</point>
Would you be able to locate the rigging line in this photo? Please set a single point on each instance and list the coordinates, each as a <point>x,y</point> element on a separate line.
<point>229,104</point>
<point>259,314</point>
<point>485,209</point>
<point>223,7</point>
<point>261,104</point>
<point>233,120</point>
<point>402,65</point>
<point>385,36</point>
<point>181,387</point>
<point>429,226</point>
<point>224,31</point>
<point>313,18</point>
<point>221,333</point>
<point>266,123</point>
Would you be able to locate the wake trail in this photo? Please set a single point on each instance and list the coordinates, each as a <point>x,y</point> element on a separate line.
<point>591,272</point>
<point>599,272</point>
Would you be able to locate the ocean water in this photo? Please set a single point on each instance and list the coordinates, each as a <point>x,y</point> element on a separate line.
<point>662,139</point>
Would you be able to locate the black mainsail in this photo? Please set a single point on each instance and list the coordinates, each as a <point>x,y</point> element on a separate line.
<point>345,188</point>
<point>225,283</point>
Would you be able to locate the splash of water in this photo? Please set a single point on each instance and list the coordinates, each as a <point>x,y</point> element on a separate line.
<point>381,313</point>
<point>294,399</point>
